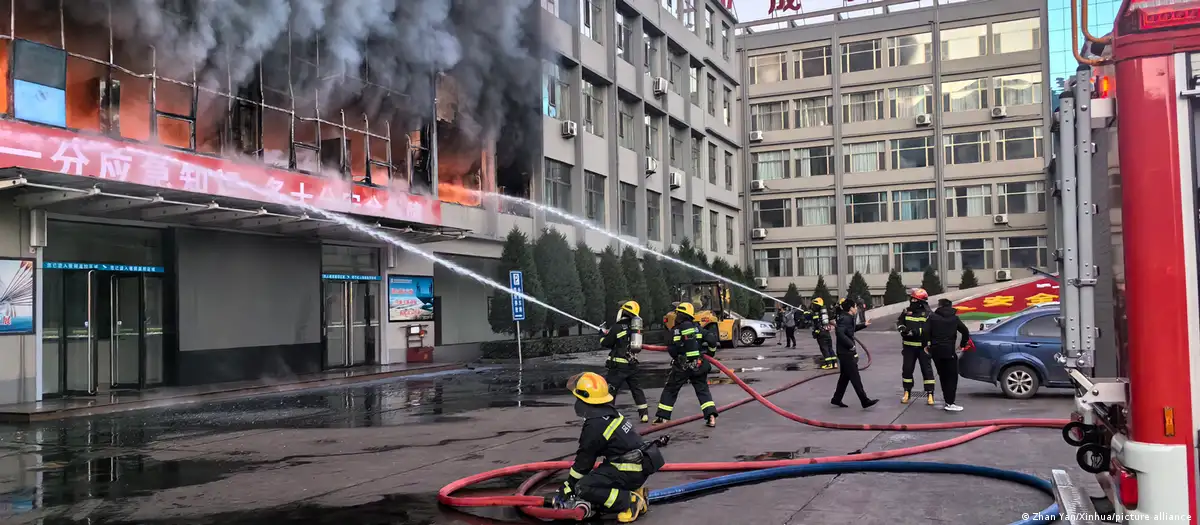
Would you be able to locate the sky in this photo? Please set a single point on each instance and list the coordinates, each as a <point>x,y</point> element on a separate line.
<point>748,10</point>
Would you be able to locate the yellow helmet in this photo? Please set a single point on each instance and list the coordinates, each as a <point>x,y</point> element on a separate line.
<point>632,307</point>
<point>818,301</point>
<point>590,387</point>
<point>686,308</point>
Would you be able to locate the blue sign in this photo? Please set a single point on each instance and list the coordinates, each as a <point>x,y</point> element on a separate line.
<point>517,282</point>
<point>38,103</point>
<point>49,265</point>
<point>346,277</point>
<point>410,298</point>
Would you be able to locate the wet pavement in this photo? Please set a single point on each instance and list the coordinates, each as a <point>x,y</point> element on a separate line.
<point>376,453</point>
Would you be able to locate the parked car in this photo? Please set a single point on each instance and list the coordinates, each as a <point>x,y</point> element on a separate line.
<point>988,324</point>
<point>1018,354</point>
<point>753,331</point>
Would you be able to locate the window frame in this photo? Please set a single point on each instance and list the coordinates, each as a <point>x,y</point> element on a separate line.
<point>785,212</point>
<point>881,205</point>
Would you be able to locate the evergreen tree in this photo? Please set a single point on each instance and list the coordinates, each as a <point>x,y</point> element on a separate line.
<point>792,295</point>
<point>658,296</point>
<point>968,279</point>
<point>517,255</point>
<point>931,282</point>
<point>615,287</point>
<point>895,292</point>
<point>754,302</point>
<point>720,267</point>
<point>593,286</point>
<point>739,298</point>
<point>673,273</point>
<point>560,282</point>
<point>688,254</point>
<point>822,291</point>
<point>635,280</point>
<point>859,289</point>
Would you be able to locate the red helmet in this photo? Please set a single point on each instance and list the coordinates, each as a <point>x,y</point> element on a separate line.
<point>919,294</point>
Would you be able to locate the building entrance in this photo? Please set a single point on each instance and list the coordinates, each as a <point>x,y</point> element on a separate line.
<point>351,322</point>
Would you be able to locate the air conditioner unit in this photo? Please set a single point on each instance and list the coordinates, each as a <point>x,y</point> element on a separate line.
<point>924,119</point>
<point>756,136</point>
<point>660,86</point>
<point>758,185</point>
<point>999,112</point>
<point>676,179</point>
<point>1003,275</point>
<point>651,165</point>
<point>758,233</point>
<point>1001,218</point>
<point>569,129</point>
<point>760,282</point>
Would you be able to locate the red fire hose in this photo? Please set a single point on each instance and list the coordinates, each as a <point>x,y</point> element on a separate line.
<point>532,505</point>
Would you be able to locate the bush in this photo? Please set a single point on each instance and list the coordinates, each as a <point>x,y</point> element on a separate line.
<point>635,280</point>
<point>551,346</point>
<point>739,298</point>
<point>615,288</point>
<point>968,279</point>
<point>673,272</point>
<point>658,295</point>
<point>792,295</point>
<point>895,292</point>
<point>931,282</point>
<point>859,290</point>
<point>517,255</point>
<point>822,291</point>
<point>593,286</point>
<point>754,302</point>
<point>560,282</point>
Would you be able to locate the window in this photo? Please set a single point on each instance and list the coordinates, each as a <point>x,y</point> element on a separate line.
<point>688,12</point>
<point>908,102</point>
<point>675,75</point>
<point>651,52</point>
<point>964,42</point>
<point>555,92</point>
<point>695,157</point>
<point>915,256</point>
<point>725,40</point>
<point>1043,327</point>
<point>653,215</point>
<point>969,147</point>
<point>863,157</point>
<point>1022,252</point>
<point>814,111</point>
<point>676,150</point>
<point>964,95</point>
<point>558,185</point>
<point>712,163</point>
<point>624,38</point>
<point>769,165</point>
<point>728,170</point>
<point>728,234</point>
<point>773,213</point>
<point>551,6</point>
<point>694,84</point>
<point>815,211</point>
<point>910,50</point>
<point>1016,35</point>
<point>814,161</point>
<point>770,116</point>
<point>815,62</point>
<point>727,105</point>
<point>709,31</point>
<point>818,261</point>
<point>975,254</point>
<point>867,258</point>
<point>775,262</point>
<point>593,186</point>
<point>698,227</point>
<point>592,25</point>
<point>712,96</point>
<point>713,219</point>
<point>861,107</point>
<point>625,132</point>
<point>861,56</point>
<point>912,152</point>
<point>593,109</point>
<point>969,201</point>
<point>1016,90</point>
<point>866,207</point>
<point>1019,143</point>
<point>651,136</point>
<point>1022,197</point>
<point>768,69</point>
<point>676,221</point>
<point>914,205</point>
<point>628,209</point>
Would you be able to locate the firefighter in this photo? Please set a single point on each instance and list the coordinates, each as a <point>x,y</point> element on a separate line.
<point>688,366</point>
<point>912,324</point>
<point>822,331</point>
<point>624,342</point>
<point>617,484</point>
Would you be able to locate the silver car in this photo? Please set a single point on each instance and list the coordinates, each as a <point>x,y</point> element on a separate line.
<point>753,332</point>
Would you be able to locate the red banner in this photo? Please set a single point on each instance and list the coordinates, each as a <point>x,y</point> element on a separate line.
<point>62,151</point>
<point>1010,300</point>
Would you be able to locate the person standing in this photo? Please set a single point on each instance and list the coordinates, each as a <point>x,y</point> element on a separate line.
<point>779,323</point>
<point>687,347</point>
<point>912,327</point>
<point>789,327</point>
<point>848,356</point>
<point>822,331</point>
<point>940,339</point>
<point>624,342</point>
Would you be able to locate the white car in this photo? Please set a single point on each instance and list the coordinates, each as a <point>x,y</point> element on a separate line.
<point>752,331</point>
<point>991,323</point>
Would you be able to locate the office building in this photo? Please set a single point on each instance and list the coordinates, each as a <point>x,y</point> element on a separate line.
<point>905,135</point>
<point>1101,14</point>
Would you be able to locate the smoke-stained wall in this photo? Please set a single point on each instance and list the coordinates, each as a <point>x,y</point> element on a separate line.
<point>249,306</point>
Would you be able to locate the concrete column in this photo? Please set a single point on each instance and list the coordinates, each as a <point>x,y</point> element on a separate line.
<point>839,167</point>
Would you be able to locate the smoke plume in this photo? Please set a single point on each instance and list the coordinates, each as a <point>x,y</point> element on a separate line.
<point>374,56</point>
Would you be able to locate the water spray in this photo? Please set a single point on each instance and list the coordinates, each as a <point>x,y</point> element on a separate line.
<point>582,222</point>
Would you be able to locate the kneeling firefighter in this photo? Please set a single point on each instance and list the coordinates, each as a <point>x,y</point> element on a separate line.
<point>617,484</point>
<point>912,324</point>
<point>624,341</point>
<point>688,366</point>
<point>822,331</point>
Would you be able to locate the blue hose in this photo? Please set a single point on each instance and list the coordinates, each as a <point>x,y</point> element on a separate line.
<point>755,476</point>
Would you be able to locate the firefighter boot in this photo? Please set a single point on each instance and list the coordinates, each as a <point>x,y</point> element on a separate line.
<point>929,398</point>
<point>645,415</point>
<point>711,421</point>
<point>637,507</point>
<point>907,397</point>
<point>659,421</point>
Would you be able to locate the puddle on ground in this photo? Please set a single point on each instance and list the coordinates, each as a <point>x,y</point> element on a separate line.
<point>724,380</point>
<point>775,456</point>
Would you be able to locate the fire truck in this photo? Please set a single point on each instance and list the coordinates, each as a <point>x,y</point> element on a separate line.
<point>1126,206</point>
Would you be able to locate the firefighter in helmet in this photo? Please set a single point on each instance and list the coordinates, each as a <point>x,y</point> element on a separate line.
<point>624,341</point>
<point>912,325</point>
<point>687,350</point>
<point>822,330</point>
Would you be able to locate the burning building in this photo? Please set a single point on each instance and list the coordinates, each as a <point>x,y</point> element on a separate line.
<point>156,157</point>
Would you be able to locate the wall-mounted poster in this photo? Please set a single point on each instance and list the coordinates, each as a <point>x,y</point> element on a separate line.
<point>16,296</point>
<point>410,298</point>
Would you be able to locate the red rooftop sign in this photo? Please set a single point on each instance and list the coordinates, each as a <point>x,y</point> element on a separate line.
<point>62,151</point>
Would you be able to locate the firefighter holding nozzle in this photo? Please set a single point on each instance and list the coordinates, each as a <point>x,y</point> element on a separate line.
<point>624,342</point>
<point>689,342</point>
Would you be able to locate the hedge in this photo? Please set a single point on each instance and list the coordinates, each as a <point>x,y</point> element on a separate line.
<point>551,346</point>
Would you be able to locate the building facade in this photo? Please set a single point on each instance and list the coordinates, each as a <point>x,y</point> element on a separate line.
<point>1101,15</point>
<point>909,135</point>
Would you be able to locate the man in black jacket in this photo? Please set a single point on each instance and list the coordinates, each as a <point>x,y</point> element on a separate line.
<point>940,338</point>
<point>847,356</point>
<point>624,341</point>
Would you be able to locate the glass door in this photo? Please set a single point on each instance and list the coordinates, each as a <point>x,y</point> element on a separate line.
<point>125,344</point>
<point>336,340</point>
<point>78,372</point>
<point>364,321</point>
<point>154,333</point>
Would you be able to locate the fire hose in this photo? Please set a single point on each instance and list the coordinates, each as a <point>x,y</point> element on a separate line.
<point>533,505</point>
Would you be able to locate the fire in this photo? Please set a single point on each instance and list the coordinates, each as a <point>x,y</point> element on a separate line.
<point>463,160</point>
